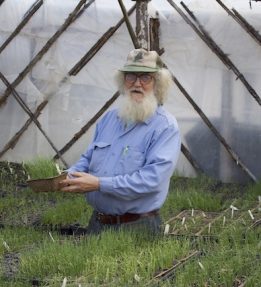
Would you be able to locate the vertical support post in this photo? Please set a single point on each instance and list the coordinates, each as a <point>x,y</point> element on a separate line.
<point>142,23</point>
<point>154,33</point>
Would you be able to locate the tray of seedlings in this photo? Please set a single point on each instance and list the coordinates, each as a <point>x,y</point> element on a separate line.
<point>217,211</point>
<point>44,175</point>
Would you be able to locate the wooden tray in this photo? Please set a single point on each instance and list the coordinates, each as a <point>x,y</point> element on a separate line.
<point>49,184</point>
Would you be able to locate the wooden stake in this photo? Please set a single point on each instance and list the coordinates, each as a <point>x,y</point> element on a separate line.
<point>154,34</point>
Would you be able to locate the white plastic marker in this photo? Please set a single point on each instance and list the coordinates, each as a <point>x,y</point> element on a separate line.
<point>251,214</point>
<point>233,208</point>
<point>50,234</point>
<point>201,265</point>
<point>58,168</point>
<point>64,282</point>
<point>6,246</point>
<point>166,230</point>
<point>137,277</point>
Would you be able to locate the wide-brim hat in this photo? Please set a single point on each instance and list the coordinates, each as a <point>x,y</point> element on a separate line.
<point>140,60</point>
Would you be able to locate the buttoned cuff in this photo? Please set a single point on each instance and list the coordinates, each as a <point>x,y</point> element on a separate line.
<point>106,184</point>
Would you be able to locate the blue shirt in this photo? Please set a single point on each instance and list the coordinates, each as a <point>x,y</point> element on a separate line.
<point>134,164</point>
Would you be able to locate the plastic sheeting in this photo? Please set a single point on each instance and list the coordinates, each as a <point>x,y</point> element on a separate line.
<point>74,100</point>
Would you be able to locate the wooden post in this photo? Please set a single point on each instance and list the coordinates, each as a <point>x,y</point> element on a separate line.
<point>154,33</point>
<point>142,24</point>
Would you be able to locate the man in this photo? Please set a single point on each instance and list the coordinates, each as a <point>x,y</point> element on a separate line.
<point>126,170</point>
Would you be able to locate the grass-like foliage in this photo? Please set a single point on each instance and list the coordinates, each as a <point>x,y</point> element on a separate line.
<point>115,258</point>
<point>41,167</point>
<point>191,194</point>
<point>13,239</point>
<point>198,211</point>
<point>232,260</point>
<point>70,210</point>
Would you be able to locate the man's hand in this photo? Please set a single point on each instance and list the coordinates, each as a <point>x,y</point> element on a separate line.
<point>80,182</point>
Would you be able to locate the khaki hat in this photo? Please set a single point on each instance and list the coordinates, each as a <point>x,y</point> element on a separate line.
<point>140,60</point>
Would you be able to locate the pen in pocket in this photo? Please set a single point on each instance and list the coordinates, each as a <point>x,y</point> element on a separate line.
<point>125,150</point>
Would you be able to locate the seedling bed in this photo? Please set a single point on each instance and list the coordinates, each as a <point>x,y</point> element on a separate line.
<point>198,222</point>
<point>43,240</point>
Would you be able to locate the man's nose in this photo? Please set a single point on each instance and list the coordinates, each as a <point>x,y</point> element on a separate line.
<point>137,82</point>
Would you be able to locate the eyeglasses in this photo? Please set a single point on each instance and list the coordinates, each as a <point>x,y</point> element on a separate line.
<point>131,78</point>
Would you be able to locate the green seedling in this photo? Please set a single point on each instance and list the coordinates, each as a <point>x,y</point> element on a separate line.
<point>41,167</point>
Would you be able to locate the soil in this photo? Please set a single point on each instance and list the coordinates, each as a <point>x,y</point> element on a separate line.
<point>10,264</point>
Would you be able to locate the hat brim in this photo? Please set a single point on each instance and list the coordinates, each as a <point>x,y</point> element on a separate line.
<point>138,69</point>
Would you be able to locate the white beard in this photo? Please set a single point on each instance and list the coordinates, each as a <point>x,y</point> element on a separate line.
<point>132,111</point>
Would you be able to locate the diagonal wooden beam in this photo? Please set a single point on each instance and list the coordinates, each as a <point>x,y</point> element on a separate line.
<point>242,22</point>
<point>86,127</point>
<point>169,272</point>
<point>45,48</point>
<point>31,115</point>
<point>97,46</point>
<point>191,159</point>
<point>74,71</point>
<point>28,16</point>
<point>13,141</point>
<point>249,28</point>
<point>128,24</point>
<point>230,151</point>
<point>200,31</point>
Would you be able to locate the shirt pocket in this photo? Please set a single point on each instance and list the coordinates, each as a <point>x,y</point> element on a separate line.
<point>100,151</point>
<point>132,159</point>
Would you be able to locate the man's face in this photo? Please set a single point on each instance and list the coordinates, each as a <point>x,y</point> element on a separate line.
<point>139,85</point>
